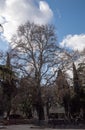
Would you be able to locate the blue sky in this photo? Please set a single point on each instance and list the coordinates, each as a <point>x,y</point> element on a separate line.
<point>3,45</point>
<point>68,16</point>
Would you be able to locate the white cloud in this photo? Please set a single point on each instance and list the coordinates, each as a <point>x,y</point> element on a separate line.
<point>75,42</point>
<point>16,12</point>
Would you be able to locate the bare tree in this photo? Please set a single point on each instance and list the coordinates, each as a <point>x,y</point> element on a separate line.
<point>37,55</point>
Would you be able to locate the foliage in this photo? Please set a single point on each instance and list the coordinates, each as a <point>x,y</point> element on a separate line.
<point>8,84</point>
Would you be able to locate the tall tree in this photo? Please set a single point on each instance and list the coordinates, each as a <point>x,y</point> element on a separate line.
<point>8,84</point>
<point>76,82</point>
<point>75,99</point>
<point>37,55</point>
<point>63,90</point>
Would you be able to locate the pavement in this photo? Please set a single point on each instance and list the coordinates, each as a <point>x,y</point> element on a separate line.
<point>29,127</point>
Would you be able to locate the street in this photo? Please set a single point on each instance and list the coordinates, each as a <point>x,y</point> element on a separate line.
<point>29,127</point>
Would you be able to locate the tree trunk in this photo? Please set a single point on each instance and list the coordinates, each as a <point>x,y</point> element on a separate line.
<point>47,109</point>
<point>39,106</point>
<point>40,111</point>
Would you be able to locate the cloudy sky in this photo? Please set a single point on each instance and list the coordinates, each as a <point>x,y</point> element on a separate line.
<point>68,16</point>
